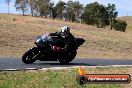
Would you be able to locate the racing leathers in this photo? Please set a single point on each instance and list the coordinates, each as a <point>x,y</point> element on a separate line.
<point>69,41</point>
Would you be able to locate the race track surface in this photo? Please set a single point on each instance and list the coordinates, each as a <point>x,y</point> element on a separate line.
<point>16,63</point>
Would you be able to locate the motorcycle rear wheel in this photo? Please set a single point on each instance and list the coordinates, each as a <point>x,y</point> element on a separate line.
<point>66,60</point>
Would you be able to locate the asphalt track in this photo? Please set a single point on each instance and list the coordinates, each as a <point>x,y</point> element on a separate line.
<point>7,63</point>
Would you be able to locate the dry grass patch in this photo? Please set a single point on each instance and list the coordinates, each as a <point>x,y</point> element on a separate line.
<point>18,32</point>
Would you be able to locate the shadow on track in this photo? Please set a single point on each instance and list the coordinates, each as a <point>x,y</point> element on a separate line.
<point>60,65</point>
<point>14,63</point>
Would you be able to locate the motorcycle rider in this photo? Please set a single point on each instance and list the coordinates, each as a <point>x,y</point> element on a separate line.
<point>67,37</point>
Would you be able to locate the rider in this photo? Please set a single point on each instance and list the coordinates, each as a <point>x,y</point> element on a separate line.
<point>67,37</point>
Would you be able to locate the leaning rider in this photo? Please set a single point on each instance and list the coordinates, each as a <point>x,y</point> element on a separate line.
<point>67,37</point>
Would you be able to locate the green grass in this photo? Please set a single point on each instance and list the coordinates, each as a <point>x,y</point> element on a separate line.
<point>53,79</point>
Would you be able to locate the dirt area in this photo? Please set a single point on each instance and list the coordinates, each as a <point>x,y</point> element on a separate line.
<point>17,34</point>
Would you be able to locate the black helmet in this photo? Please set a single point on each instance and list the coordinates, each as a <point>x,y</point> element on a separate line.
<point>65,31</point>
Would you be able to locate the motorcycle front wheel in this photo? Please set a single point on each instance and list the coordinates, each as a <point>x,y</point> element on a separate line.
<point>30,56</point>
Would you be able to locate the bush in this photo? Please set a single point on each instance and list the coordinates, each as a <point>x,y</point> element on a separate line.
<point>119,25</point>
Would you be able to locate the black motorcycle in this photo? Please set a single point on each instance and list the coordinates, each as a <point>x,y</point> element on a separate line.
<point>43,50</point>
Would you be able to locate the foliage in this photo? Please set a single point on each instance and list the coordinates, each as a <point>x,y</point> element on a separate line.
<point>33,7</point>
<point>92,14</point>
<point>69,14</point>
<point>43,6</point>
<point>21,5</point>
<point>95,14</point>
<point>119,25</point>
<point>52,10</point>
<point>73,11</point>
<point>111,9</point>
<point>59,8</point>
<point>77,9</point>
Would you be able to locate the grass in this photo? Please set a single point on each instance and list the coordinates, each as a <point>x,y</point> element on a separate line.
<point>58,78</point>
<point>17,34</point>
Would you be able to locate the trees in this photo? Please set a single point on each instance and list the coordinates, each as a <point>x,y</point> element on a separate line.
<point>112,13</point>
<point>59,8</point>
<point>95,14</point>
<point>33,7</point>
<point>39,7</point>
<point>102,17</point>
<point>52,10</point>
<point>119,25</point>
<point>8,3</point>
<point>68,13</point>
<point>73,10</point>
<point>43,7</point>
<point>77,9</point>
<point>21,5</point>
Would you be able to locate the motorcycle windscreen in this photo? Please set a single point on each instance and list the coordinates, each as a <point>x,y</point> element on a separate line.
<point>45,37</point>
<point>42,40</point>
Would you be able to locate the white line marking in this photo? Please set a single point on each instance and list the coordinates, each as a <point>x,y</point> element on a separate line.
<point>63,68</point>
<point>31,68</point>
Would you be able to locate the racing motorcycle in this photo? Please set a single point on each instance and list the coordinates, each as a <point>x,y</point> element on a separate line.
<point>43,50</point>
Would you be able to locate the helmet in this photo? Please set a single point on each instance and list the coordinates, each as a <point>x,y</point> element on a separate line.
<point>65,31</point>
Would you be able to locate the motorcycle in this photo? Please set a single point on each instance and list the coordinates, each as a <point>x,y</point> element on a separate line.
<point>43,50</point>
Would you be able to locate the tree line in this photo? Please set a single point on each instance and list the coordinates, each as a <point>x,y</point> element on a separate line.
<point>92,14</point>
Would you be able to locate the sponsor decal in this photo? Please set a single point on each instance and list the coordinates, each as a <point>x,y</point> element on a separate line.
<point>84,78</point>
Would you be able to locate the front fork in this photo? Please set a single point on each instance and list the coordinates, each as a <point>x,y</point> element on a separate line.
<point>36,53</point>
<point>37,56</point>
